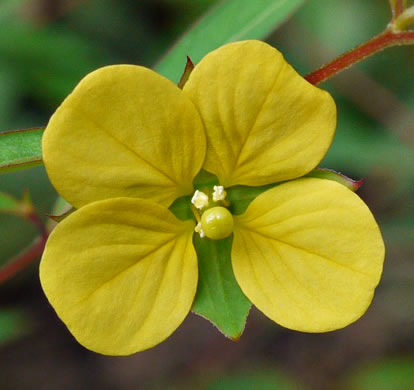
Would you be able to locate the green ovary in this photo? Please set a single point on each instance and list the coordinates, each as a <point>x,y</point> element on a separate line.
<point>217,223</point>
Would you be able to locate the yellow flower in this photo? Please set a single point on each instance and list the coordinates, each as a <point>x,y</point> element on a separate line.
<point>121,271</point>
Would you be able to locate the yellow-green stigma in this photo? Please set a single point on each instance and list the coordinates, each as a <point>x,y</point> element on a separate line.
<point>217,223</point>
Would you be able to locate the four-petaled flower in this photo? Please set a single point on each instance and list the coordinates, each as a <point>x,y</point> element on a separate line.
<point>121,271</point>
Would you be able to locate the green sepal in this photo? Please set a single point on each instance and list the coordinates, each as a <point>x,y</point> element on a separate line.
<point>241,196</point>
<point>204,180</point>
<point>181,208</point>
<point>20,149</point>
<point>219,298</point>
<point>61,217</point>
<point>330,174</point>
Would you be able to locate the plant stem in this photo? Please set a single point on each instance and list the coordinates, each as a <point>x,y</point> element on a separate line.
<point>399,7</point>
<point>22,260</point>
<point>380,42</point>
<point>38,223</point>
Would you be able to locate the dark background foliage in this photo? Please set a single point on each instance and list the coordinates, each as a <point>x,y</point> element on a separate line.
<point>47,46</point>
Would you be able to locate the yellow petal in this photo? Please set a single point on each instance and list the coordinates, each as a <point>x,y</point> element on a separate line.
<point>124,131</point>
<point>264,122</point>
<point>308,254</point>
<point>121,274</point>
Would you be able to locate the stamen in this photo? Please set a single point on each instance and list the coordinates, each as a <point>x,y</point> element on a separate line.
<point>199,199</point>
<point>199,230</point>
<point>219,193</point>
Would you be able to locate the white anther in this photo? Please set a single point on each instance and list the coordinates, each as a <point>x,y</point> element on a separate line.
<point>219,193</point>
<point>199,200</point>
<point>199,230</point>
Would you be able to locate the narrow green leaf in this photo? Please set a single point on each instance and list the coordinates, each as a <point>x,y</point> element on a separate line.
<point>250,20</point>
<point>20,149</point>
<point>219,298</point>
<point>229,21</point>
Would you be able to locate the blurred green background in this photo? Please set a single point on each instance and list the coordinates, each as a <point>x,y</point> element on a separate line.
<point>46,47</point>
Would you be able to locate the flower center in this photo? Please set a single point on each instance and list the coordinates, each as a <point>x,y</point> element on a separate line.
<point>214,221</point>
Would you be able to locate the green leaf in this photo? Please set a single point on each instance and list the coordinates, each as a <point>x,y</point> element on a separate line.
<point>21,208</point>
<point>392,374</point>
<point>8,204</point>
<point>254,20</point>
<point>219,298</point>
<point>229,21</point>
<point>20,149</point>
<point>9,9</point>
<point>13,324</point>
<point>260,379</point>
<point>48,60</point>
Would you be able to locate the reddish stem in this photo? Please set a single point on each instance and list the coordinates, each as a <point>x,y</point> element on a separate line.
<point>23,260</point>
<point>386,39</point>
<point>399,8</point>
<point>35,219</point>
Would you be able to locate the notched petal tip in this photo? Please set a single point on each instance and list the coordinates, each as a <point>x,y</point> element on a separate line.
<point>112,137</point>
<point>121,274</point>
<point>264,122</point>
<point>309,254</point>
